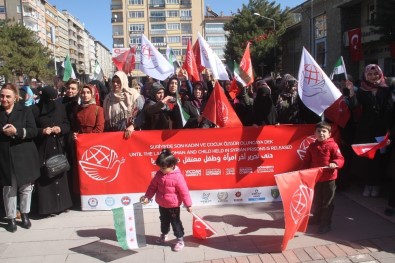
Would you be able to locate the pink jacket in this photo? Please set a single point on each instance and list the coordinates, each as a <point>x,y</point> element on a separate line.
<point>321,154</point>
<point>170,189</point>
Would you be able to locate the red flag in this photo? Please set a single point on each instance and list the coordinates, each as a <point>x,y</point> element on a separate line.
<point>369,149</point>
<point>219,111</point>
<point>297,192</point>
<point>338,112</point>
<point>126,61</point>
<point>233,89</point>
<point>201,229</point>
<point>198,60</point>
<point>190,64</point>
<point>246,72</point>
<point>355,44</point>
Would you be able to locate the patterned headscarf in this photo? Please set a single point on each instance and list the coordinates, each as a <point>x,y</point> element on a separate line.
<point>380,83</point>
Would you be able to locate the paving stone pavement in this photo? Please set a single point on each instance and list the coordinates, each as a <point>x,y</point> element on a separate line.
<point>246,233</point>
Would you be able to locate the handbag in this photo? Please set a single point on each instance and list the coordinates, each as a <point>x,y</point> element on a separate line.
<point>56,164</point>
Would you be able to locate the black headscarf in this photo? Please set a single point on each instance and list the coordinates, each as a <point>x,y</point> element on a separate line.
<point>47,100</point>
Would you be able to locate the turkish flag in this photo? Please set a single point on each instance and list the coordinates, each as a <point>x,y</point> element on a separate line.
<point>201,229</point>
<point>338,112</point>
<point>234,89</point>
<point>355,44</point>
<point>126,61</point>
<point>190,64</point>
<point>369,149</point>
<point>297,192</point>
<point>198,59</point>
<point>219,111</point>
<point>246,72</point>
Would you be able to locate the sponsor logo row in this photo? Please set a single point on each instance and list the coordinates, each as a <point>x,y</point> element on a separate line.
<point>228,171</point>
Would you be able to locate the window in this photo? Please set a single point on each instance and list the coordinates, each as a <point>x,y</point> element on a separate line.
<point>135,40</point>
<point>185,13</point>
<point>173,26</point>
<point>173,13</point>
<point>157,14</point>
<point>320,26</point>
<point>173,39</point>
<point>157,39</point>
<point>320,52</point>
<point>185,40</point>
<point>136,2</point>
<point>136,14</point>
<point>172,2</point>
<point>158,26</point>
<point>177,52</point>
<point>136,27</point>
<point>2,9</point>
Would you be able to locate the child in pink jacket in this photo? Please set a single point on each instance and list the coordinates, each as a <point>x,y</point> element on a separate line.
<point>170,190</point>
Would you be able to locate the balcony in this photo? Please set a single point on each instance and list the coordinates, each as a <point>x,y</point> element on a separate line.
<point>158,32</point>
<point>117,45</point>
<point>116,7</point>
<point>186,18</point>
<point>186,4</point>
<point>157,6</point>
<point>157,19</point>
<point>117,33</point>
<point>186,31</point>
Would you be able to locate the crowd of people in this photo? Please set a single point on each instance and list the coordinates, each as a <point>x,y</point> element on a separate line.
<point>42,122</point>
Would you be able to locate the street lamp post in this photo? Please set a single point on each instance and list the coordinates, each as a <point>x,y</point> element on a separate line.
<point>274,28</point>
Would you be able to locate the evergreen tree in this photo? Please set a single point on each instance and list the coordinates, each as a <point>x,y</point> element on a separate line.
<point>245,26</point>
<point>21,54</point>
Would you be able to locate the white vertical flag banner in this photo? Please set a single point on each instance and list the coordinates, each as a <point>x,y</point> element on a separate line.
<point>211,61</point>
<point>153,63</point>
<point>315,89</point>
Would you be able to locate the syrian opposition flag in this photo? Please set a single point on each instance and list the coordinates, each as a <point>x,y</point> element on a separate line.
<point>171,57</point>
<point>219,111</point>
<point>68,69</point>
<point>125,60</point>
<point>315,89</point>
<point>246,72</point>
<point>206,58</point>
<point>98,72</point>
<point>369,149</point>
<point>236,73</point>
<point>201,229</point>
<point>297,192</point>
<point>153,63</point>
<point>129,226</point>
<point>339,69</point>
<point>184,115</point>
<point>190,64</point>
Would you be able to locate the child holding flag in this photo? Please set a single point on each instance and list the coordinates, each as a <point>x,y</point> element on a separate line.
<point>170,190</point>
<point>324,152</point>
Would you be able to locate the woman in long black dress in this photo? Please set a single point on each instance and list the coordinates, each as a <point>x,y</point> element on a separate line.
<point>52,123</point>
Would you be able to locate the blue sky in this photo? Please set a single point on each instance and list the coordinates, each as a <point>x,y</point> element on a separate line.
<point>96,14</point>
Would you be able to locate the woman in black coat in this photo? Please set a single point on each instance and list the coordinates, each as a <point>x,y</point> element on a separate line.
<point>19,166</point>
<point>52,123</point>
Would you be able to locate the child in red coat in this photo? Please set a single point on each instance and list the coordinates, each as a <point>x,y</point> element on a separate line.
<point>324,152</point>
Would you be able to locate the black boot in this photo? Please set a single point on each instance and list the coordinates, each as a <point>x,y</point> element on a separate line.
<point>11,227</point>
<point>26,221</point>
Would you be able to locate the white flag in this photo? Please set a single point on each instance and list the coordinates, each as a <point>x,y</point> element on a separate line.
<point>315,89</point>
<point>210,60</point>
<point>153,63</point>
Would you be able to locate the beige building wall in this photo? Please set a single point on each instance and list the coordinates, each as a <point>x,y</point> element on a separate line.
<point>103,56</point>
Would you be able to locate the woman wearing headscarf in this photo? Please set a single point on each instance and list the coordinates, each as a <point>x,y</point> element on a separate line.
<point>172,89</point>
<point>264,111</point>
<point>120,106</point>
<point>52,123</point>
<point>19,165</point>
<point>375,101</point>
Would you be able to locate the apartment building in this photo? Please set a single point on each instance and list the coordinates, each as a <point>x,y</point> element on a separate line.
<point>102,56</point>
<point>164,22</point>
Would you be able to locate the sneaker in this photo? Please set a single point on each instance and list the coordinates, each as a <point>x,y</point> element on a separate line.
<point>367,191</point>
<point>178,246</point>
<point>375,191</point>
<point>162,239</point>
<point>324,229</point>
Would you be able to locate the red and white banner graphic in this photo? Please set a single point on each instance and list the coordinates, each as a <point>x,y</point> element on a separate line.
<point>226,165</point>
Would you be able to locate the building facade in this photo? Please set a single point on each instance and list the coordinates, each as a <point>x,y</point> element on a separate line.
<point>323,29</point>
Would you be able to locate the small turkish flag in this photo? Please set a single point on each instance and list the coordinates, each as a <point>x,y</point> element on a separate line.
<point>201,229</point>
<point>369,149</point>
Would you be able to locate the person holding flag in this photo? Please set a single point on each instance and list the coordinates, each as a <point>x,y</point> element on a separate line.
<point>324,152</point>
<point>375,100</point>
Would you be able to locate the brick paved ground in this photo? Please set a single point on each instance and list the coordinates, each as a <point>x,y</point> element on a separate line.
<point>380,250</point>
